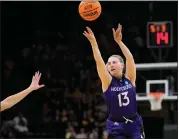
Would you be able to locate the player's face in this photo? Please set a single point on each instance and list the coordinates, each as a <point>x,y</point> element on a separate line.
<point>114,66</point>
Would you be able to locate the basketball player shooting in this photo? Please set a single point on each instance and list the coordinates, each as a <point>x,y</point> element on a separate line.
<point>119,89</point>
<point>14,99</point>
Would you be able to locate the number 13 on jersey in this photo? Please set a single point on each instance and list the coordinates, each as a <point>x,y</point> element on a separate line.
<point>123,99</point>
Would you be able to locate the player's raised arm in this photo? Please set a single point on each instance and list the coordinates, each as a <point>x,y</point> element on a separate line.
<point>14,99</point>
<point>104,75</point>
<point>130,64</point>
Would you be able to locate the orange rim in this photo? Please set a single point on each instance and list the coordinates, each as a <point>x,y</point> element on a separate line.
<point>156,95</point>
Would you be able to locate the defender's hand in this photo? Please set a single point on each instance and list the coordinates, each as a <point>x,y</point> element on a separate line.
<point>35,82</point>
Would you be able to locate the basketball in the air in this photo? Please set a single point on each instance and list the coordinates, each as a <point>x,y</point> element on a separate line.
<point>89,10</point>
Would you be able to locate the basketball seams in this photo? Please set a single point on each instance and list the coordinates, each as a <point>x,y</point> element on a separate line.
<point>90,10</point>
<point>91,17</point>
<point>97,15</point>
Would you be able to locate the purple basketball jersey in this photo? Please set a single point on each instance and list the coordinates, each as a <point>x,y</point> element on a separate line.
<point>121,98</point>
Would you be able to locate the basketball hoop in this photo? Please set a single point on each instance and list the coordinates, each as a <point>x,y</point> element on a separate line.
<point>155,99</point>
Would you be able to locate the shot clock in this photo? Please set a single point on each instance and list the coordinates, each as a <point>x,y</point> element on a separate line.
<point>159,34</point>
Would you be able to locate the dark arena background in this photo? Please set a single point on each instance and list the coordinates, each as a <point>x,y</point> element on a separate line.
<point>47,36</point>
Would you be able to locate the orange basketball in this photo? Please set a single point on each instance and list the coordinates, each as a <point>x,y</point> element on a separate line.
<point>89,10</point>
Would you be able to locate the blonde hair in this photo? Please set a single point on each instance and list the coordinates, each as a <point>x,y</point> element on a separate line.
<point>119,57</point>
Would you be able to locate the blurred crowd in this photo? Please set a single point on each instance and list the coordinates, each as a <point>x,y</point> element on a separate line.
<point>71,105</point>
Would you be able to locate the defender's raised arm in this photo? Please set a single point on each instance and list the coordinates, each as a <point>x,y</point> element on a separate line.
<point>14,99</point>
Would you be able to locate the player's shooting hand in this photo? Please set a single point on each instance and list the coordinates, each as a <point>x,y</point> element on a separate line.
<point>89,35</point>
<point>117,34</point>
<point>35,81</point>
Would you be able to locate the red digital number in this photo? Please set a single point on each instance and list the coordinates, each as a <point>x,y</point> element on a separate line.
<point>162,36</point>
<point>152,28</point>
<point>156,28</point>
<point>163,27</point>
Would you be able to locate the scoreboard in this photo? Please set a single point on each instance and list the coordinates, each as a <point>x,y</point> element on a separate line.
<point>159,34</point>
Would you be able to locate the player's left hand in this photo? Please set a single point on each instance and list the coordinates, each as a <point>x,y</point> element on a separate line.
<point>117,34</point>
<point>35,82</point>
